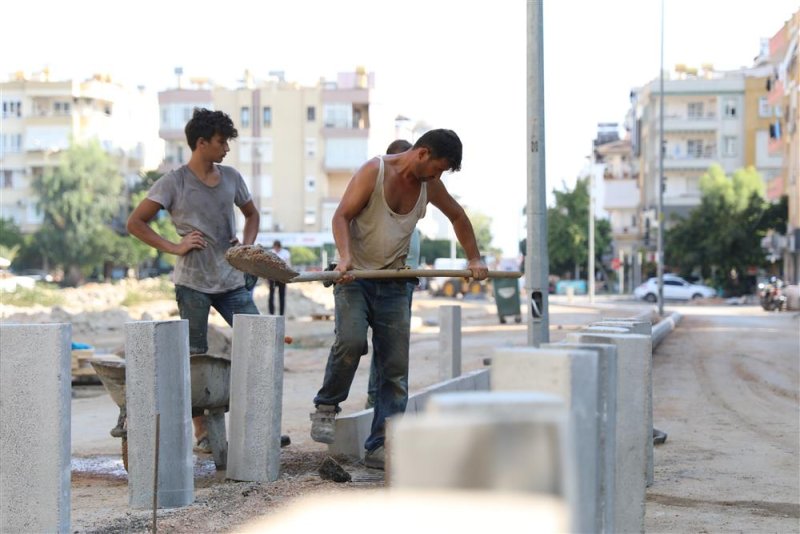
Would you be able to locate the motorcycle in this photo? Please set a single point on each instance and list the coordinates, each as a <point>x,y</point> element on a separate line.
<point>770,295</point>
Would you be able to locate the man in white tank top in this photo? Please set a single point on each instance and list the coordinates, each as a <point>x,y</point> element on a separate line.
<point>372,228</point>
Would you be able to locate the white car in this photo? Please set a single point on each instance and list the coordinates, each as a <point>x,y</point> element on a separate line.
<point>675,288</point>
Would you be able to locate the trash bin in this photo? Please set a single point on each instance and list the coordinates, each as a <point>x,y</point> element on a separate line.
<point>506,296</point>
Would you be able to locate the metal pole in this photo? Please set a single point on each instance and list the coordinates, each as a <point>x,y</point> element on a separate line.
<point>660,217</point>
<point>536,259</point>
<point>590,273</point>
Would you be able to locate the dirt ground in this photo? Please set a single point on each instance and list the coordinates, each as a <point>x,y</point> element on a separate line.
<point>725,391</point>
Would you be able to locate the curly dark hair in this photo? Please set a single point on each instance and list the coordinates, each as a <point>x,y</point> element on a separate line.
<point>206,124</point>
<point>442,144</point>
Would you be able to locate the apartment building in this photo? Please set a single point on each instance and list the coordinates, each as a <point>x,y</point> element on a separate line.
<point>621,198</point>
<point>41,116</point>
<point>297,147</point>
<point>703,124</point>
<point>783,106</point>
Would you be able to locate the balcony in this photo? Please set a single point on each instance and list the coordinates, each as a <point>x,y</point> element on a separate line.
<point>345,154</point>
<point>620,194</point>
<point>697,160</point>
<point>685,123</point>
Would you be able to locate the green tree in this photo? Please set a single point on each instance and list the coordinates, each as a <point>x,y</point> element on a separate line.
<point>11,239</point>
<point>127,250</point>
<point>303,256</point>
<point>722,237</point>
<point>568,232</point>
<point>482,226</point>
<point>78,198</point>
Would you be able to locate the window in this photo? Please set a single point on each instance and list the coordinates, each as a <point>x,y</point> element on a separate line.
<point>265,222</point>
<point>164,116</point>
<point>8,179</point>
<point>311,184</point>
<point>10,143</point>
<point>266,186</point>
<point>729,146</point>
<point>311,113</point>
<point>694,148</point>
<point>730,108</point>
<point>311,147</point>
<point>12,108</point>
<point>338,115</point>
<point>311,216</point>
<point>179,154</point>
<point>267,116</point>
<point>695,110</point>
<point>245,117</point>
<point>763,107</point>
<point>187,113</point>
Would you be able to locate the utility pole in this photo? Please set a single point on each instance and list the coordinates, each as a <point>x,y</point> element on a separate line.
<point>590,274</point>
<point>660,217</point>
<point>536,258</point>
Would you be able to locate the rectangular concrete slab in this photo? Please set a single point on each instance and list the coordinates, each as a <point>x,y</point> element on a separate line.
<point>607,406</point>
<point>482,440</point>
<point>634,423</point>
<point>35,388</point>
<point>157,381</point>
<point>449,342</point>
<point>573,375</point>
<point>256,398</point>
<point>353,429</point>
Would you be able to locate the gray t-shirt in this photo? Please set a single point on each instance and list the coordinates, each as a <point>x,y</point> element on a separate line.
<point>195,206</point>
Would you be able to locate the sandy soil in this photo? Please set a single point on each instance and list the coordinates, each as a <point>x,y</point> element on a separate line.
<point>725,390</point>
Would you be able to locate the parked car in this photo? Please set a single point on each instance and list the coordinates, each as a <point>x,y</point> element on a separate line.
<point>675,288</point>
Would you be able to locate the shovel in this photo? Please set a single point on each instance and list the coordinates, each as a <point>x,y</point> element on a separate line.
<point>258,261</point>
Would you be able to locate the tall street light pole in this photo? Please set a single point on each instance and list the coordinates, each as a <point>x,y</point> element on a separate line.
<point>660,217</point>
<point>590,273</point>
<point>536,259</point>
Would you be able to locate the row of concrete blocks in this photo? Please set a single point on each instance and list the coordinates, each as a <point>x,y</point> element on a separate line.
<point>35,399</point>
<point>572,419</point>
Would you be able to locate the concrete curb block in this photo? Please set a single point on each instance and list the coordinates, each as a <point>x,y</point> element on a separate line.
<point>352,430</point>
<point>666,325</point>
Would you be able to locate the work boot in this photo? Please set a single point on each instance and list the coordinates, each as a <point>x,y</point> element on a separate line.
<point>375,458</point>
<point>203,446</point>
<point>323,423</point>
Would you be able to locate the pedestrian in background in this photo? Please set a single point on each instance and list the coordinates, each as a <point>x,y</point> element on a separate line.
<point>274,285</point>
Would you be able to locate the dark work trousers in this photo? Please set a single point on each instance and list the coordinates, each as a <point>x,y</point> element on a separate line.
<point>281,287</point>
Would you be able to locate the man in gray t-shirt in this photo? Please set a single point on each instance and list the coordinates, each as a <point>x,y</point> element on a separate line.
<point>200,197</point>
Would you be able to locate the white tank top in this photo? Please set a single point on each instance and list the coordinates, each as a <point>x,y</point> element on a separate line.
<point>379,237</point>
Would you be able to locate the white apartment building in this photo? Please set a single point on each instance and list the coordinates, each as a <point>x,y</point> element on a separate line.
<point>703,124</point>
<point>41,117</point>
<point>297,148</point>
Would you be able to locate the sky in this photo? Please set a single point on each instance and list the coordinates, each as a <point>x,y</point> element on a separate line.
<point>450,63</point>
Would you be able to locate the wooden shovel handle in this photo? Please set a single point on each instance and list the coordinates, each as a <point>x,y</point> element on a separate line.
<point>322,276</point>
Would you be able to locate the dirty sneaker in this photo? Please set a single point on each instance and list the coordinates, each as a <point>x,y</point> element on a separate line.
<point>203,446</point>
<point>375,458</point>
<point>323,423</point>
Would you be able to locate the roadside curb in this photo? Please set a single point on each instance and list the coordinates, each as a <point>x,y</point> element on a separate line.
<point>666,325</point>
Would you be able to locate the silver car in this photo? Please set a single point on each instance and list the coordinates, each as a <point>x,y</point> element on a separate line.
<point>675,288</point>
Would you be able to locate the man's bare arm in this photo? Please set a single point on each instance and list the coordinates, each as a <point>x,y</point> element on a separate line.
<point>139,227</point>
<point>252,220</point>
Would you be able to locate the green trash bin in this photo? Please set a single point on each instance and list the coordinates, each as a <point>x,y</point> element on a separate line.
<point>506,296</point>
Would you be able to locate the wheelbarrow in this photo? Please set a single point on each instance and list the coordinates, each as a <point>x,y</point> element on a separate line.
<point>210,379</point>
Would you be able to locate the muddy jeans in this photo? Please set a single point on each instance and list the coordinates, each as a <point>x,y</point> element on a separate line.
<point>194,306</point>
<point>382,305</point>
